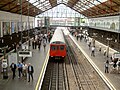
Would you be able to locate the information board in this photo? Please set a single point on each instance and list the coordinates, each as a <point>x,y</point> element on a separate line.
<point>12,58</point>
<point>25,53</point>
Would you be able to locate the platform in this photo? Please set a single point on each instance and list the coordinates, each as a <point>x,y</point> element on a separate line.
<point>37,61</point>
<point>99,61</point>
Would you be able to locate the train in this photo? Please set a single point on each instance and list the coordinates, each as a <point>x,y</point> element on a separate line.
<point>57,45</point>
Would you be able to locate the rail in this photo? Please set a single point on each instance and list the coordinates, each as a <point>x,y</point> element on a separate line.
<point>111,87</point>
<point>81,74</point>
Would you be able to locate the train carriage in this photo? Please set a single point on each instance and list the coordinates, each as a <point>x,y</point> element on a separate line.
<point>58,45</point>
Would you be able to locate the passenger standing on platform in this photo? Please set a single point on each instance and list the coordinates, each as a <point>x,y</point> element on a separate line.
<point>33,44</point>
<point>93,51</point>
<point>106,66</point>
<point>39,44</point>
<point>100,49</point>
<point>118,65</point>
<point>25,70</point>
<point>77,37</point>
<point>46,37</point>
<point>89,44</point>
<point>104,52</point>
<point>30,72</point>
<point>44,45</point>
<point>20,67</point>
<point>13,68</point>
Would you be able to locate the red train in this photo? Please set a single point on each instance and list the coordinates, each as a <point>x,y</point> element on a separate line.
<point>58,45</point>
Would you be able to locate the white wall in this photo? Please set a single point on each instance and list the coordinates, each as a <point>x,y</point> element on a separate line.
<point>15,18</point>
<point>6,16</point>
<point>105,22</point>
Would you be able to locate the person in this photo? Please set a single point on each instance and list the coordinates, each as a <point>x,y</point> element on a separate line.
<point>93,42</point>
<point>93,51</point>
<point>30,71</point>
<point>13,68</point>
<point>46,37</point>
<point>106,66</point>
<point>118,65</point>
<point>39,44</point>
<point>20,67</point>
<point>89,44</point>
<point>25,70</point>
<point>104,52</point>
<point>33,44</point>
<point>44,45</point>
<point>100,48</point>
<point>77,37</point>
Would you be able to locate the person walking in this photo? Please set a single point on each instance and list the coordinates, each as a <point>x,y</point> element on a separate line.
<point>13,68</point>
<point>30,71</point>
<point>20,67</point>
<point>106,66</point>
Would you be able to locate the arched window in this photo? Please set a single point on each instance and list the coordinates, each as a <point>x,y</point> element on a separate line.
<point>112,26</point>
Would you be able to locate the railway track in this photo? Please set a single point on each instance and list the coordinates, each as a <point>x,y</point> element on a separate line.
<point>83,79</point>
<point>85,76</point>
<point>74,73</point>
<point>54,76</point>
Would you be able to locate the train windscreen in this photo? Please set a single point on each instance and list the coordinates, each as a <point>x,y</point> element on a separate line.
<point>61,47</point>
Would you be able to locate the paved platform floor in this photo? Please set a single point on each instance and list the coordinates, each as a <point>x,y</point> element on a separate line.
<point>100,59</point>
<point>21,84</point>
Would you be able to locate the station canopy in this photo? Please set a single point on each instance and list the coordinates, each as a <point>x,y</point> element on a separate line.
<point>88,8</point>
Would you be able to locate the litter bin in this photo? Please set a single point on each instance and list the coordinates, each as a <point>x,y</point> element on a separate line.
<point>5,73</point>
<point>5,70</point>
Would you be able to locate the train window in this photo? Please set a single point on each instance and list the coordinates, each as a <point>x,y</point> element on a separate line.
<point>52,47</point>
<point>61,47</point>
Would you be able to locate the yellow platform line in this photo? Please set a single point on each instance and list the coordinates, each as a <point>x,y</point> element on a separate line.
<point>42,71</point>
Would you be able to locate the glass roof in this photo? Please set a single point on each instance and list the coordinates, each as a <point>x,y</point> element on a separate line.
<point>86,4</point>
<point>60,11</point>
<point>81,4</point>
<point>41,4</point>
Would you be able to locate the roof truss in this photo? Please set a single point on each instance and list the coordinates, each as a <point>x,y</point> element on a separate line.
<point>85,7</point>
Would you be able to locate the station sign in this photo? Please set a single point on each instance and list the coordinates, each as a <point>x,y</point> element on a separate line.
<point>25,53</point>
